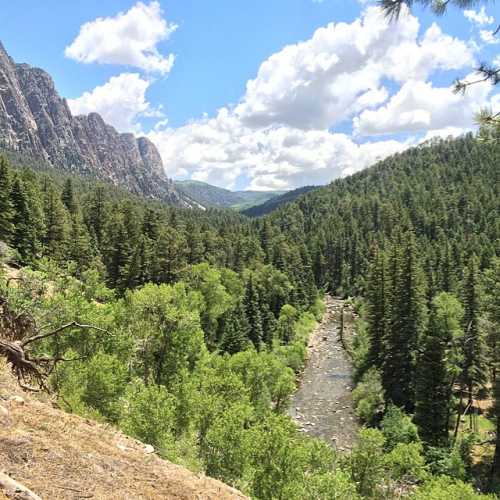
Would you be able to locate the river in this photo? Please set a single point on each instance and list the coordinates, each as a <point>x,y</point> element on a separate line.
<point>322,405</point>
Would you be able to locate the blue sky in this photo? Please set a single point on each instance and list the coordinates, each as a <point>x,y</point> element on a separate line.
<point>279,137</point>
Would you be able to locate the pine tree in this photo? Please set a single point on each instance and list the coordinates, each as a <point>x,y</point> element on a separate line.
<point>406,321</point>
<point>474,374</point>
<point>376,295</point>
<point>269,324</point>
<point>433,382</point>
<point>24,238</point>
<point>79,248</point>
<point>6,209</point>
<point>252,310</point>
<point>56,228</point>
<point>234,331</point>
<point>68,197</point>
<point>138,269</point>
<point>118,254</point>
<point>97,213</point>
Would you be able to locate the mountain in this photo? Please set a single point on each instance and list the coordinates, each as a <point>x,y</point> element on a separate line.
<point>37,123</point>
<point>275,202</point>
<point>214,196</point>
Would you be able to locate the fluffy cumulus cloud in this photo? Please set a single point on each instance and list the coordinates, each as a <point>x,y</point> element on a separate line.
<point>120,101</point>
<point>489,37</point>
<point>129,38</point>
<point>368,75</point>
<point>223,151</point>
<point>419,106</point>
<point>322,81</point>
<point>479,17</point>
<point>282,135</point>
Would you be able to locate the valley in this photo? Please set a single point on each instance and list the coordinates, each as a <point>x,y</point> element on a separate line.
<point>250,250</point>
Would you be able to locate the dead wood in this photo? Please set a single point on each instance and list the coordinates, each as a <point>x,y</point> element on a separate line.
<point>16,490</point>
<point>18,333</point>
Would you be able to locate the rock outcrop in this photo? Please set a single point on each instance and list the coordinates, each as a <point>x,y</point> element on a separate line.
<point>35,121</point>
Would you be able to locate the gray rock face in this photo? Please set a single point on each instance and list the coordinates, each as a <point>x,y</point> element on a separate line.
<point>36,121</point>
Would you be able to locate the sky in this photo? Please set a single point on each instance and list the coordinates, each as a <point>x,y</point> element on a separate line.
<point>267,94</point>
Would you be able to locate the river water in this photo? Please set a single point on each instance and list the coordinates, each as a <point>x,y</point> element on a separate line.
<point>323,406</point>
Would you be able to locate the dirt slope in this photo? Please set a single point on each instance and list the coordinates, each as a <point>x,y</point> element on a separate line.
<point>323,405</point>
<point>61,456</point>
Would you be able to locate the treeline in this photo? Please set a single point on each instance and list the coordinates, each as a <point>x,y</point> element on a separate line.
<point>434,356</point>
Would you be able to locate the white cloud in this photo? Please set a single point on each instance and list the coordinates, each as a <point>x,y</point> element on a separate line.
<point>129,38</point>
<point>326,79</point>
<point>419,106</point>
<point>281,136</point>
<point>418,59</point>
<point>223,151</point>
<point>479,17</point>
<point>489,37</point>
<point>120,101</point>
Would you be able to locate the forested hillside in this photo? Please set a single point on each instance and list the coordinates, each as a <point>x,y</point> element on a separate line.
<point>277,201</point>
<point>445,193</point>
<point>200,321</point>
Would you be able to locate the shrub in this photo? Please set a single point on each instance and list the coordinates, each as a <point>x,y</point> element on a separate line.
<point>444,488</point>
<point>366,462</point>
<point>368,397</point>
<point>397,427</point>
<point>406,462</point>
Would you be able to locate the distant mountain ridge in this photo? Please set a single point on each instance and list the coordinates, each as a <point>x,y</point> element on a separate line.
<point>213,196</point>
<point>278,201</point>
<point>36,122</point>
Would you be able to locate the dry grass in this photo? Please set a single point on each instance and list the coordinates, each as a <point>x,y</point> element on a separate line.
<point>62,456</point>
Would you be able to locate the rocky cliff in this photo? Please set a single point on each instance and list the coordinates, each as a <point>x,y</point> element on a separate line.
<point>35,121</point>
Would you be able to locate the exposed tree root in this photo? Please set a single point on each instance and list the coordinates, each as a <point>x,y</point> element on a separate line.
<point>18,333</point>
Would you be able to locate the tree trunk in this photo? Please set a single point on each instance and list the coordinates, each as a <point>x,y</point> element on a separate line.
<point>15,489</point>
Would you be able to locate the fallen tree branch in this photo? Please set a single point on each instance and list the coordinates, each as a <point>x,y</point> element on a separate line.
<point>17,490</point>
<point>59,330</point>
<point>18,332</point>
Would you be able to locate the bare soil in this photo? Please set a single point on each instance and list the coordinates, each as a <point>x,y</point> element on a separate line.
<point>323,406</point>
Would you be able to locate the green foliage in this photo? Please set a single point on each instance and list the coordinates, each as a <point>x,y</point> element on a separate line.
<point>226,451</point>
<point>398,428</point>
<point>445,461</point>
<point>105,380</point>
<point>440,355</point>
<point>368,396</point>
<point>148,414</point>
<point>444,488</point>
<point>165,324</point>
<point>286,323</point>
<point>367,462</point>
<point>406,463</point>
